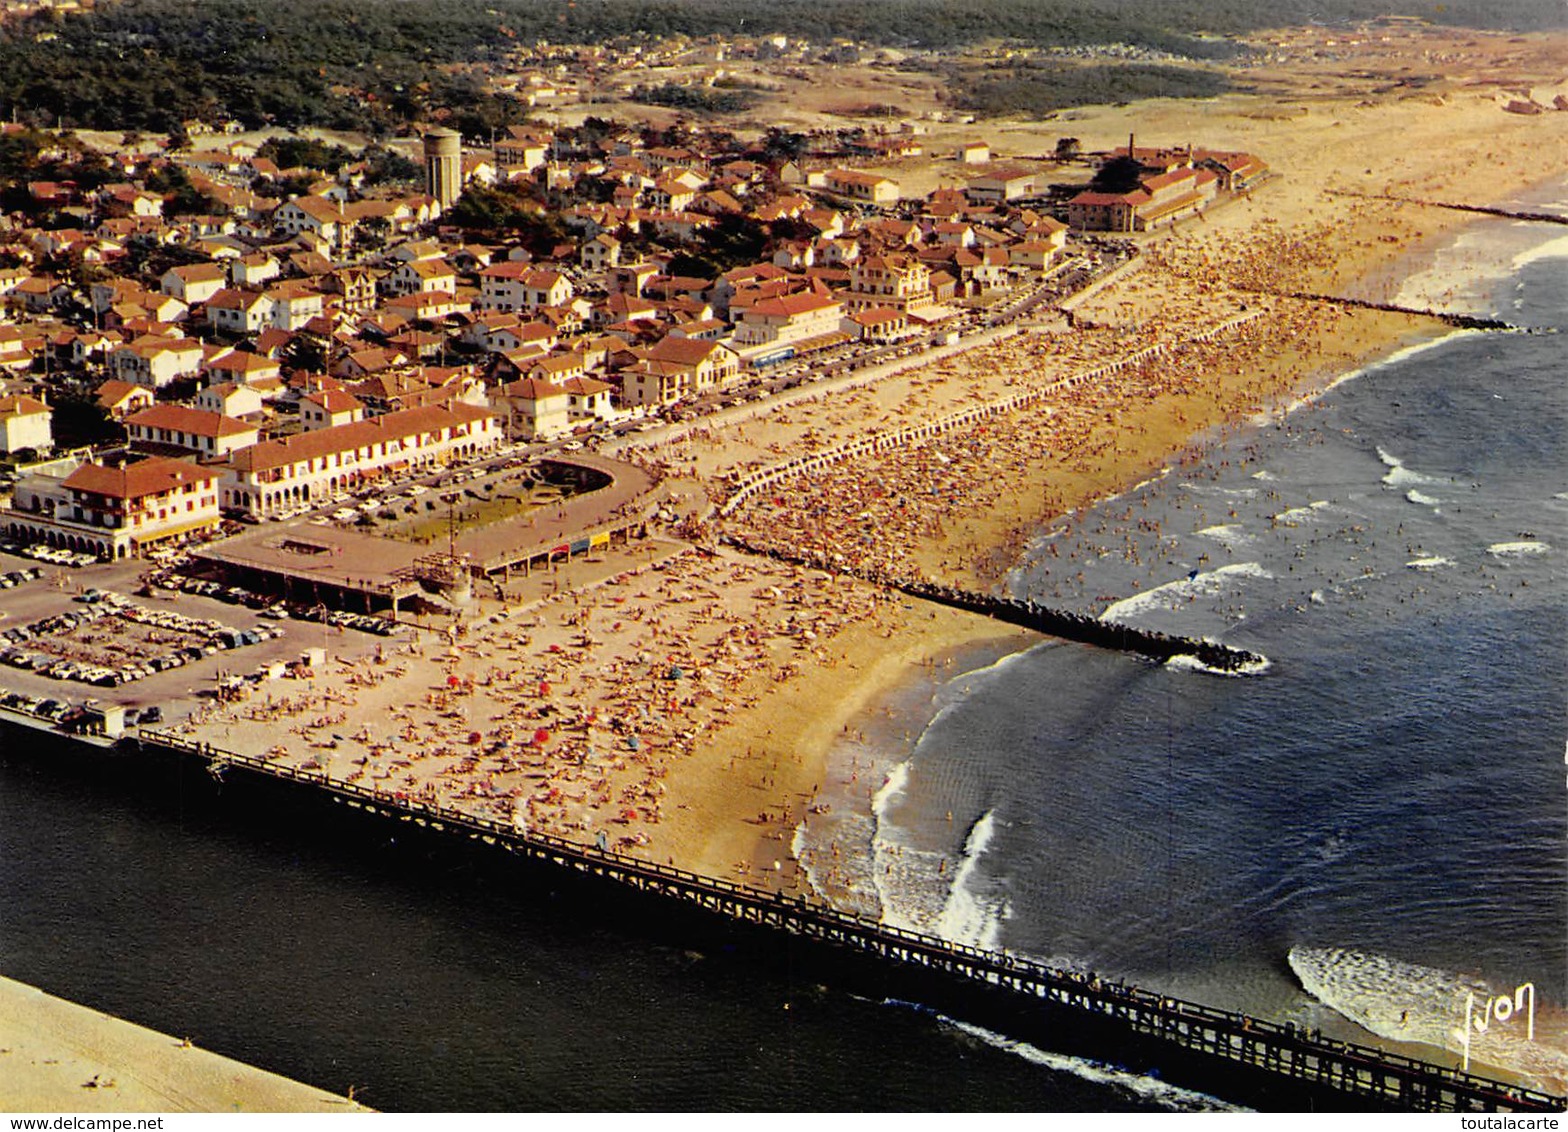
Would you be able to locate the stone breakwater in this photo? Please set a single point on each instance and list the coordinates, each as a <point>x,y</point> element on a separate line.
<point>1061,623</point>
<point>1458,321</point>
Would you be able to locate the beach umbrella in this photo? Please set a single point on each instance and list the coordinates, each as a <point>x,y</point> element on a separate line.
<point>541,737</point>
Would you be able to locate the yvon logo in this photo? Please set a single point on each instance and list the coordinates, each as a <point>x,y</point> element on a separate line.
<point>1498,1010</point>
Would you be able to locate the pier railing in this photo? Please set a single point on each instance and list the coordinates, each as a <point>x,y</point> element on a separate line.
<point>1285,1049</point>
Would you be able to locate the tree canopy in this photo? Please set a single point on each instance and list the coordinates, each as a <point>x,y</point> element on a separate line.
<point>378,64</point>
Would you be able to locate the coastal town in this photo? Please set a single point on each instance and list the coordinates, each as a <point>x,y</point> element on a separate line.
<point>498,462</point>
<point>346,364</point>
<point>580,476</point>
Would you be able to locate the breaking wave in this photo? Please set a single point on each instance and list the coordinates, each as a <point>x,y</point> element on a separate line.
<point>1552,249</point>
<point>1520,549</point>
<point>1185,662</point>
<point>1398,475</point>
<point>969,917</point>
<point>1171,1097</point>
<point>1299,514</point>
<point>1408,1002</point>
<point>1227,533</point>
<point>1173,595</point>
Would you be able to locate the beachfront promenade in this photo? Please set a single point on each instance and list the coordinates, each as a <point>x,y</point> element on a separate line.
<point>1287,1051</point>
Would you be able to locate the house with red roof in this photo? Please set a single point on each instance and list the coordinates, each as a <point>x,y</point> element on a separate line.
<point>208,435</point>
<point>314,465</point>
<point>24,423</point>
<point>787,320</point>
<point>534,408</point>
<point>155,361</point>
<point>514,286</point>
<point>115,512</point>
<point>122,398</point>
<point>328,408</point>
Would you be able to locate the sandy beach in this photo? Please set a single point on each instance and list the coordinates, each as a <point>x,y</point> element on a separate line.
<point>52,1049</point>
<point>679,701</point>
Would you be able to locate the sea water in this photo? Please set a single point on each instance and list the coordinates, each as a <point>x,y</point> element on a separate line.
<point>1383,806</point>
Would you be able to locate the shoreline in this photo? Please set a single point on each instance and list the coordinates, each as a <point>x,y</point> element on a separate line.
<point>58,1056</point>
<point>599,714</point>
<point>1383,340</point>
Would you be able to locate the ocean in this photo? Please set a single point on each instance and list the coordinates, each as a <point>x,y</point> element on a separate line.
<point>1361,835</point>
<point>1367,837</point>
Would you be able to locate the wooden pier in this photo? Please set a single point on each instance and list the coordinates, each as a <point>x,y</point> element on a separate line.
<point>1351,1072</point>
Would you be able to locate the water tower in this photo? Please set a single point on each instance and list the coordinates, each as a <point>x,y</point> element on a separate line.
<point>443,166</point>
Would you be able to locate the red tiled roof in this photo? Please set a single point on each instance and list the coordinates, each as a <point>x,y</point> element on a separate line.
<point>1093,198</point>
<point>334,400</point>
<point>789,306</point>
<point>586,386</point>
<point>682,351</point>
<point>114,392</point>
<point>1166,180</point>
<point>533,389</point>
<point>197,422</point>
<point>21,405</point>
<point>153,476</point>
<point>359,434</point>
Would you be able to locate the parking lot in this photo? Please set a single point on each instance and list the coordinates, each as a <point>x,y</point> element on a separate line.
<point>181,646</point>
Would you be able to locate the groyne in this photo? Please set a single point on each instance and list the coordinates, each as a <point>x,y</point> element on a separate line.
<point>1482,209</point>
<point>1217,1043</point>
<point>744,487</point>
<point>1459,321</point>
<point>1061,623</point>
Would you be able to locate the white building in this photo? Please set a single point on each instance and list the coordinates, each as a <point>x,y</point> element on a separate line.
<point>232,311</point>
<point>115,512</point>
<point>329,408</point>
<point>194,283</point>
<point>24,423</point>
<point>787,319</point>
<point>534,409</point>
<point>209,435</point>
<point>311,466</point>
<point>155,362</point>
<point>519,287</point>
